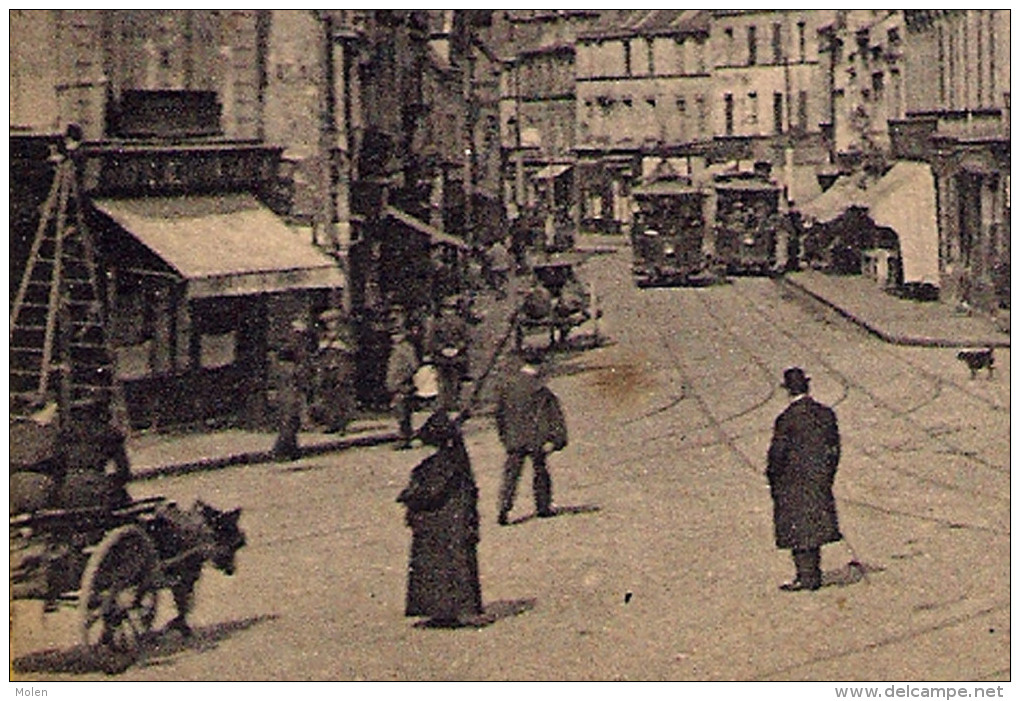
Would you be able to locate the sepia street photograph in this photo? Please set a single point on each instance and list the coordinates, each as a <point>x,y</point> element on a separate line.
<point>510,345</point>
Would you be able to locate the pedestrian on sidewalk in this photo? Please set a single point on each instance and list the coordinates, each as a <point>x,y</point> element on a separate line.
<point>295,383</point>
<point>400,370</point>
<point>334,399</point>
<point>802,461</point>
<point>447,343</point>
<point>530,423</point>
<point>499,266</point>
<point>442,512</point>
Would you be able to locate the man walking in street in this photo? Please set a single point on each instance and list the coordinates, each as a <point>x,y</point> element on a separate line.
<point>802,461</point>
<point>530,422</point>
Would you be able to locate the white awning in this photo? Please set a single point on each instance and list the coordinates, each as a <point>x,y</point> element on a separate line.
<point>224,245</point>
<point>904,201</point>
<point>552,171</point>
<point>803,185</point>
<point>436,237</point>
<point>831,204</point>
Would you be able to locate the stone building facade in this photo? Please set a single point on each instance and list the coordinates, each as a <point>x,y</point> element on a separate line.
<point>957,118</point>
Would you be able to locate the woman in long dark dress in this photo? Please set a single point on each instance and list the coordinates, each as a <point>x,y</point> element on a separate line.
<point>442,512</point>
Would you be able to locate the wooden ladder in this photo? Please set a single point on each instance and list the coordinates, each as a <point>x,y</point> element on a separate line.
<point>59,350</point>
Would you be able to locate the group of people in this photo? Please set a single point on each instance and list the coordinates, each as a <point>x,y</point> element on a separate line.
<point>441,498</point>
<point>316,368</point>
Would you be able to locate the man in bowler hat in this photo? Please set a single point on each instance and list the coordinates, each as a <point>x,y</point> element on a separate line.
<point>530,423</point>
<point>802,461</point>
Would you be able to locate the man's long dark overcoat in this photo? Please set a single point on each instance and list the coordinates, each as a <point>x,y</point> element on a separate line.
<point>442,511</point>
<point>802,462</point>
<point>528,415</point>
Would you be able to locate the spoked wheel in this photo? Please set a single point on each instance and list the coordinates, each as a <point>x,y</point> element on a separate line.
<point>118,600</point>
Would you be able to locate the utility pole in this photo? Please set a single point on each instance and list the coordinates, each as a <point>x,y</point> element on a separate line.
<point>462,31</point>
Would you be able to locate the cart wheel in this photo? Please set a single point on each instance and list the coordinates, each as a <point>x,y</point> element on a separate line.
<point>118,600</point>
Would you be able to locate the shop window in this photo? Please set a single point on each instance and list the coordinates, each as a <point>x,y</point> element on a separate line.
<point>132,335</point>
<point>217,350</point>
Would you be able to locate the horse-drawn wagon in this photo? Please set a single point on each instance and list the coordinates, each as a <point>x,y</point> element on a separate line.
<point>556,302</point>
<point>111,561</point>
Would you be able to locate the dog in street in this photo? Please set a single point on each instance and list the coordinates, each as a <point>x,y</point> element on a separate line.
<point>976,360</point>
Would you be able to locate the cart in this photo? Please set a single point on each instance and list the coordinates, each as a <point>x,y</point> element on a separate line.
<point>103,561</point>
<point>557,302</point>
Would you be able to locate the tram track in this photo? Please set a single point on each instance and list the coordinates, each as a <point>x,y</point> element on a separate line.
<point>724,438</point>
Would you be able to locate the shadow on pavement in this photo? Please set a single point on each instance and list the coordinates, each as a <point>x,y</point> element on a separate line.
<point>560,511</point>
<point>850,573</point>
<point>494,611</point>
<point>155,650</point>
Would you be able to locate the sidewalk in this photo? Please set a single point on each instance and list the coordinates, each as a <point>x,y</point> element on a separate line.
<point>158,455</point>
<point>161,455</point>
<point>892,319</point>
<point>901,321</point>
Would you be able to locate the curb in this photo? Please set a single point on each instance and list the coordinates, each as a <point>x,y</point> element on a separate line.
<point>263,457</point>
<point>895,339</point>
<point>259,457</point>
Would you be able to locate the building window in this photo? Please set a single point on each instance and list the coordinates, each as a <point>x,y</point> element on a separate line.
<point>991,58</point>
<point>980,63</point>
<point>752,45</point>
<point>650,101</point>
<point>877,84</point>
<point>680,49</point>
<point>801,42</point>
<point>626,58</point>
<point>729,44</point>
<point>681,106</point>
<point>651,56</point>
<point>777,112</point>
<point>752,108</point>
<point>802,120</point>
<point>895,80</point>
<point>942,65</point>
<point>728,106</point>
<point>217,350</point>
<point>702,114</point>
<point>777,43</point>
